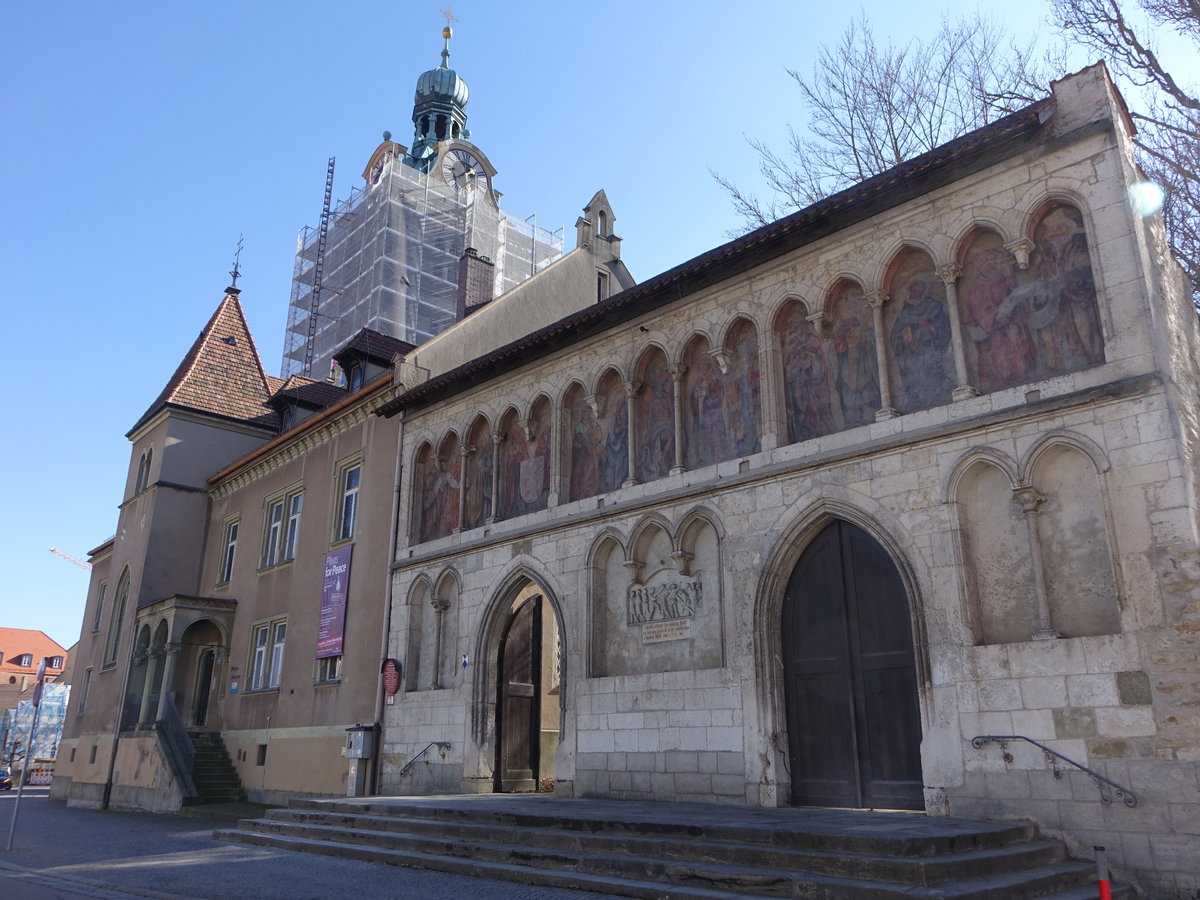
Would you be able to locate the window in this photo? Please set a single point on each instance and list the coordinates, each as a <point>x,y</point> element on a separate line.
<point>266,662</point>
<point>356,378</point>
<point>282,528</point>
<point>25,659</point>
<point>329,669</point>
<point>143,472</point>
<point>55,662</point>
<point>348,515</point>
<point>601,286</point>
<point>231,534</point>
<point>100,593</point>
<point>113,641</point>
<point>87,687</point>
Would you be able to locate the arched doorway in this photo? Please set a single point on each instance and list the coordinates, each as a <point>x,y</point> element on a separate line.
<point>518,706</point>
<point>204,674</point>
<point>850,685</point>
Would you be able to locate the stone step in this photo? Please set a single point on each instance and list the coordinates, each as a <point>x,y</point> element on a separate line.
<point>917,870</point>
<point>627,876</point>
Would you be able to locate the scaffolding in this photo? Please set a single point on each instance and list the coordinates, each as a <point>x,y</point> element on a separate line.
<point>391,263</point>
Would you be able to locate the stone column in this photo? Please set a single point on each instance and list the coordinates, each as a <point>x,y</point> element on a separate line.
<point>440,605</point>
<point>464,453</point>
<point>772,425</point>
<point>950,275</point>
<point>677,392</point>
<point>1030,499</point>
<point>146,658</point>
<point>631,389</point>
<point>876,299</point>
<point>497,437</point>
<point>168,678</point>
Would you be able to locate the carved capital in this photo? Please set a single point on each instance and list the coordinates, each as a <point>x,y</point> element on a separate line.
<point>632,387</point>
<point>949,273</point>
<point>439,604</point>
<point>683,561</point>
<point>876,299</point>
<point>821,322</point>
<point>677,372</point>
<point>1030,499</point>
<point>721,356</point>
<point>596,403</point>
<point>173,648</point>
<point>526,427</point>
<point>465,450</point>
<point>634,567</point>
<point>1020,249</point>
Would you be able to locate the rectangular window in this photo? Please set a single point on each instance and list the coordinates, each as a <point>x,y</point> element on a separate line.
<point>601,286</point>
<point>231,536</point>
<point>83,694</point>
<point>349,511</point>
<point>295,502</point>
<point>100,592</point>
<point>329,669</point>
<point>266,654</point>
<point>274,529</point>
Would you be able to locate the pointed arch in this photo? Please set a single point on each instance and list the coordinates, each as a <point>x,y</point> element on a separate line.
<point>705,432</point>
<point>806,383</point>
<point>998,345</point>
<point>742,409</point>
<point>853,361</point>
<point>917,330</point>
<point>478,473</point>
<point>654,410</point>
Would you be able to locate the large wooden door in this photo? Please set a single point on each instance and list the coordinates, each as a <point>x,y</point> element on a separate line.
<point>853,721</point>
<point>518,716</point>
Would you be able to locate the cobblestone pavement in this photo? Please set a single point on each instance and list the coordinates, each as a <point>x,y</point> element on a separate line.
<point>72,853</point>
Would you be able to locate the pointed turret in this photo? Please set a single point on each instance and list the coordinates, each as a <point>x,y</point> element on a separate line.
<point>221,375</point>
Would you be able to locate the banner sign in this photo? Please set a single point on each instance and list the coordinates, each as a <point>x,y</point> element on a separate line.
<point>332,621</point>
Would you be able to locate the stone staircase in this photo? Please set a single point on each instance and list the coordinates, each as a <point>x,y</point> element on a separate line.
<point>685,851</point>
<point>213,774</point>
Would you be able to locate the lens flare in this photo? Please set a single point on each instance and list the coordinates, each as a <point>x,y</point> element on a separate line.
<point>1146,198</point>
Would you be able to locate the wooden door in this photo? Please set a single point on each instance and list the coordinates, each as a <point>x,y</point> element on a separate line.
<point>518,714</point>
<point>850,684</point>
<point>204,676</point>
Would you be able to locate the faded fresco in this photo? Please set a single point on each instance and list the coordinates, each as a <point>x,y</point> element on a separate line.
<point>440,482</point>
<point>1022,325</point>
<point>918,329</point>
<point>655,410</point>
<point>599,439</point>
<point>743,407</point>
<point>477,502</point>
<point>807,380</point>
<point>855,365</point>
<point>705,436</point>
<point>525,464</point>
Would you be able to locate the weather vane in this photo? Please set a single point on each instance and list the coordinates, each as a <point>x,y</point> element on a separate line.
<point>448,12</point>
<point>236,272</point>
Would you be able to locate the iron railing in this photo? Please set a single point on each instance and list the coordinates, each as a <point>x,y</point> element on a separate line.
<point>177,747</point>
<point>442,746</point>
<point>1103,785</point>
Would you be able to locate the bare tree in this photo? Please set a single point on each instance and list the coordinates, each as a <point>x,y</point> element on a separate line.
<point>871,107</point>
<point>1168,122</point>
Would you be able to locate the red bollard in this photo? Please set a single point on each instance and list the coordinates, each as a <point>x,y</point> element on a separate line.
<point>1102,874</point>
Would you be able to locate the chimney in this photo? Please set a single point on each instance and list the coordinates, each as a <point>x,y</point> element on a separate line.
<point>476,278</point>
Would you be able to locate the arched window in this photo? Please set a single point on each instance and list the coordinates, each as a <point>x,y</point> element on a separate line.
<point>113,641</point>
<point>143,472</point>
<point>601,223</point>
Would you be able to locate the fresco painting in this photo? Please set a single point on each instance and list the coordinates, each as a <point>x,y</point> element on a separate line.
<point>706,438</point>
<point>441,479</point>
<point>919,335</point>
<point>614,425</point>
<point>656,418</point>
<point>1022,325</point>
<point>806,376</point>
<point>743,408</point>
<point>477,504</point>
<point>856,366</point>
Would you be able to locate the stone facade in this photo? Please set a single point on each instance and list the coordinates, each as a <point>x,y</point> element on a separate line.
<point>979,369</point>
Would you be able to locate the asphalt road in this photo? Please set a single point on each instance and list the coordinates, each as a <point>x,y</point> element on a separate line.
<point>64,854</point>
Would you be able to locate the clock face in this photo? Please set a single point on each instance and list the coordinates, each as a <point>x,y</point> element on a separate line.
<point>461,169</point>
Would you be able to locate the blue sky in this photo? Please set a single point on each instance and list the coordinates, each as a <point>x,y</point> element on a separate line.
<point>142,138</point>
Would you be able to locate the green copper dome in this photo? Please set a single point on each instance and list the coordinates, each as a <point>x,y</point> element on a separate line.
<point>439,106</point>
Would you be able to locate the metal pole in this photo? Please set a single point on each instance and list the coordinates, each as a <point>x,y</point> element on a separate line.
<point>37,696</point>
<point>1102,874</point>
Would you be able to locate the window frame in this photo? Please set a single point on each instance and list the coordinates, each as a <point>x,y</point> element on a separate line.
<point>101,596</point>
<point>265,664</point>
<point>229,551</point>
<point>142,481</point>
<point>24,660</point>
<point>87,688</point>
<point>112,643</point>
<point>281,527</point>
<point>56,662</point>
<point>346,515</point>
<point>322,675</point>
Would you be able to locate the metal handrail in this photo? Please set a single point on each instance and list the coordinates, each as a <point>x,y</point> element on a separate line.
<point>1127,796</point>
<point>179,749</point>
<point>442,746</point>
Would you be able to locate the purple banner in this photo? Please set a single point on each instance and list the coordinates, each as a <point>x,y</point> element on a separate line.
<point>331,624</point>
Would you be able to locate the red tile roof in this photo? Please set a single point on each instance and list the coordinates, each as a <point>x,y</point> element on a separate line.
<point>221,375</point>
<point>16,641</point>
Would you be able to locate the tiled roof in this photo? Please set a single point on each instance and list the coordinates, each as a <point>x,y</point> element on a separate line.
<point>16,641</point>
<point>315,394</point>
<point>970,153</point>
<point>221,375</point>
<point>374,346</point>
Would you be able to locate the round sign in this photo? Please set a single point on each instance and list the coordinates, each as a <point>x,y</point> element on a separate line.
<point>391,676</point>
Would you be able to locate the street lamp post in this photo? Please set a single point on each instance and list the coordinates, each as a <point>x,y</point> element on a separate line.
<point>37,699</point>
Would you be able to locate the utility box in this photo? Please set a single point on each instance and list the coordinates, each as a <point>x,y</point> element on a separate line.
<point>360,747</point>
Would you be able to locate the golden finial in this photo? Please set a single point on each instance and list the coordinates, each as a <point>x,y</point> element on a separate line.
<point>448,12</point>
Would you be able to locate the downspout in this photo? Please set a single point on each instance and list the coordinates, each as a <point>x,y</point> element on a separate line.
<point>393,545</point>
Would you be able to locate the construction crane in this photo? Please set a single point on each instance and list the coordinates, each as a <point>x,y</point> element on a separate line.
<point>71,559</point>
